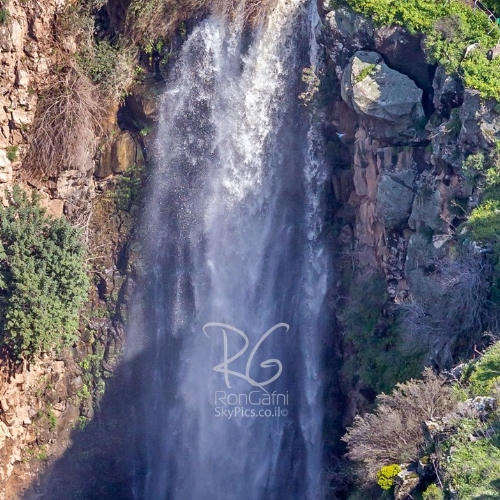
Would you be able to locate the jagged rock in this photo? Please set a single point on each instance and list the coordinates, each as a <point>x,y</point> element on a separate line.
<point>448,92</point>
<point>353,30</point>
<point>395,197</point>
<point>406,482</point>
<point>343,185</point>
<point>402,51</point>
<point>425,468</point>
<point>142,104</point>
<point>389,102</point>
<point>426,210</point>
<point>480,123</point>
<point>483,405</point>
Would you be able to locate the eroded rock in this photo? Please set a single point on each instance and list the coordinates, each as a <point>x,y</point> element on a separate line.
<point>389,101</point>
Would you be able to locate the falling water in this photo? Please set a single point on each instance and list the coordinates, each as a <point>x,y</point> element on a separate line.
<point>233,236</point>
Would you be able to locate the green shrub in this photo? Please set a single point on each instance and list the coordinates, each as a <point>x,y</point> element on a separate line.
<point>112,67</point>
<point>472,467</point>
<point>365,72</point>
<point>43,281</point>
<point>12,152</point>
<point>4,15</point>
<point>379,357</point>
<point>484,221</point>
<point>433,492</point>
<point>386,476</point>
<point>128,187</point>
<point>450,27</point>
<point>483,374</point>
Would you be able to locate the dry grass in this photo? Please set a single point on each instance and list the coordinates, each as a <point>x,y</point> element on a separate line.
<point>65,131</point>
<point>150,20</point>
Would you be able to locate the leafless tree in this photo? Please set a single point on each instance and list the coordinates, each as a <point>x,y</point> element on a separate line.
<point>450,310</point>
<point>65,131</point>
<point>393,433</point>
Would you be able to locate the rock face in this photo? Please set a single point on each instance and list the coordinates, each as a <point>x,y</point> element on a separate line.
<point>389,101</point>
<point>402,195</point>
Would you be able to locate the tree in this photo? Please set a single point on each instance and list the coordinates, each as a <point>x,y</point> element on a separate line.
<point>43,281</point>
<point>394,433</point>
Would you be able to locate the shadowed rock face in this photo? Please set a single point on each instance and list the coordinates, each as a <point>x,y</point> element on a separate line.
<point>390,101</point>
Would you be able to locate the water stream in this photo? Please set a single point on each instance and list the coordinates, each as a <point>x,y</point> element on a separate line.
<point>232,247</point>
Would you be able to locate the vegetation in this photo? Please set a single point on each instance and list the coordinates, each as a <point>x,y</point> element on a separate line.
<point>433,492</point>
<point>465,442</point>
<point>460,285</point>
<point>450,28</point>
<point>483,376</point>
<point>393,433</point>
<point>12,153</point>
<point>379,358</point>
<point>386,476</point>
<point>111,67</point>
<point>4,15</point>
<point>473,465</point>
<point>127,190</point>
<point>66,125</point>
<point>43,280</point>
<point>365,72</point>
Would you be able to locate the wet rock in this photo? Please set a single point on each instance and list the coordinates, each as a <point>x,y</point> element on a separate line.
<point>120,155</point>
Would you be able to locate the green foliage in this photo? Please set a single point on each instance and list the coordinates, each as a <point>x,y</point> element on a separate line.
<point>484,221</point>
<point>128,187</point>
<point>473,465</point>
<point>365,72</point>
<point>43,280</point>
<point>386,476</point>
<point>42,453</point>
<point>433,492</point>
<point>84,393</point>
<point>111,66</point>
<point>51,416</point>
<point>379,359</point>
<point>474,165</point>
<point>450,27</point>
<point>484,374</point>
<point>11,152</point>
<point>4,15</point>
<point>99,61</point>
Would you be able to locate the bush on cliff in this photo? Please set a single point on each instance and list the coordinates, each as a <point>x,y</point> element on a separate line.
<point>394,433</point>
<point>43,281</point>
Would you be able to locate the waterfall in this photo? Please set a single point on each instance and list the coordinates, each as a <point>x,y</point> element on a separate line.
<point>230,314</point>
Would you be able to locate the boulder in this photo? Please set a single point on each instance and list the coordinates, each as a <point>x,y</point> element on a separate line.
<point>389,102</point>
<point>480,123</point>
<point>395,197</point>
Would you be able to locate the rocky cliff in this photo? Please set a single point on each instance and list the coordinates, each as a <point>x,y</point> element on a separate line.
<point>402,129</point>
<point>43,400</point>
